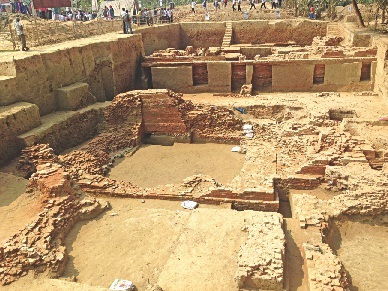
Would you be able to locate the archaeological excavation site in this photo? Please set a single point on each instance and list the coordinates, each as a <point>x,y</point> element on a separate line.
<point>237,155</point>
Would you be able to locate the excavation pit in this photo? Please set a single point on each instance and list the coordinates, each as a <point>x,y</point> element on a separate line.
<point>295,121</point>
<point>154,165</point>
<point>361,244</point>
<point>160,243</point>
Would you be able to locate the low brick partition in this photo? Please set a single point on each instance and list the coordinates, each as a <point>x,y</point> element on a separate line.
<point>261,257</point>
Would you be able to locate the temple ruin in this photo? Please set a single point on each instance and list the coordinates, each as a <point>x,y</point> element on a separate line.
<point>303,104</point>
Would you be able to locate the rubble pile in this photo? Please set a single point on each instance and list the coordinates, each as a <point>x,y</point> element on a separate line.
<point>214,123</point>
<point>324,269</point>
<point>124,109</point>
<point>364,193</point>
<point>261,257</point>
<point>39,246</point>
<point>326,41</point>
<point>32,156</point>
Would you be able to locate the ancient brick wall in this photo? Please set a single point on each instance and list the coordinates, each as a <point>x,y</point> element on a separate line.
<point>38,247</point>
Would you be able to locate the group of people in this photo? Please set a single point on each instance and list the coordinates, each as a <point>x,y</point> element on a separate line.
<point>148,16</point>
<point>156,15</point>
<point>108,13</point>
<point>16,6</point>
<point>274,4</point>
<point>65,15</point>
<point>126,18</point>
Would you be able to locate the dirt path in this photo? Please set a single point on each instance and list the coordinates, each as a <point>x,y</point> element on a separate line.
<point>295,273</point>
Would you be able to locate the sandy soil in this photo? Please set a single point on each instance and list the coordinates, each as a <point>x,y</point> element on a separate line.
<point>295,273</point>
<point>154,165</point>
<point>16,207</point>
<point>362,247</point>
<point>158,242</point>
<point>40,283</point>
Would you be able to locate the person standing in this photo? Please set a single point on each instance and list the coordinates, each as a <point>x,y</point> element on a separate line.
<point>204,5</point>
<point>193,6</point>
<point>239,5</point>
<point>312,12</point>
<point>169,15</point>
<point>20,32</point>
<point>252,5</point>
<point>105,12</point>
<point>273,4</point>
<point>123,13</point>
<point>111,12</point>
<point>263,4</point>
<point>128,21</point>
<point>215,4</point>
<point>234,5</point>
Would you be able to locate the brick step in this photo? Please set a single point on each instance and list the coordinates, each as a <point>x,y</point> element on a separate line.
<point>50,123</point>
<point>7,68</point>
<point>7,85</point>
<point>19,118</point>
<point>74,96</point>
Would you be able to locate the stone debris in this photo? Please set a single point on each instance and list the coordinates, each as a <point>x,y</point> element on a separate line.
<point>366,93</point>
<point>328,94</point>
<point>246,90</point>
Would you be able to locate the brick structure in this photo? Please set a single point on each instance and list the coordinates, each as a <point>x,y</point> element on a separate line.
<point>39,246</point>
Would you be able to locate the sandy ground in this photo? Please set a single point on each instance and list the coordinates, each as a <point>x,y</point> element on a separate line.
<point>158,242</point>
<point>16,208</point>
<point>154,165</point>
<point>367,107</point>
<point>295,272</point>
<point>362,247</point>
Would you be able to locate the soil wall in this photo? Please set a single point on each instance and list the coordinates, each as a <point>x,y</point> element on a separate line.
<point>160,37</point>
<point>381,76</point>
<point>201,34</point>
<point>109,67</point>
<point>258,32</point>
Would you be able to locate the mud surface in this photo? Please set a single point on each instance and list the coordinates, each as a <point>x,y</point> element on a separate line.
<point>154,165</point>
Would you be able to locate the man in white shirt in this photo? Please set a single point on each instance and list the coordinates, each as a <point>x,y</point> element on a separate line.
<point>193,6</point>
<point>20,32</point>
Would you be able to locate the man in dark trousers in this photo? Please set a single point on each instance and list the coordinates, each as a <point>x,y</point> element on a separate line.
<point>20,32</point>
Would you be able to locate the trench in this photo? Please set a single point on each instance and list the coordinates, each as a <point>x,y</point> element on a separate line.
<point>361,244</point>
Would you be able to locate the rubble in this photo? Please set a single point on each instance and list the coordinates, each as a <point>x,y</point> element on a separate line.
<point>261,257</point>
<point>324,269</point>
<point>39,246</point>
